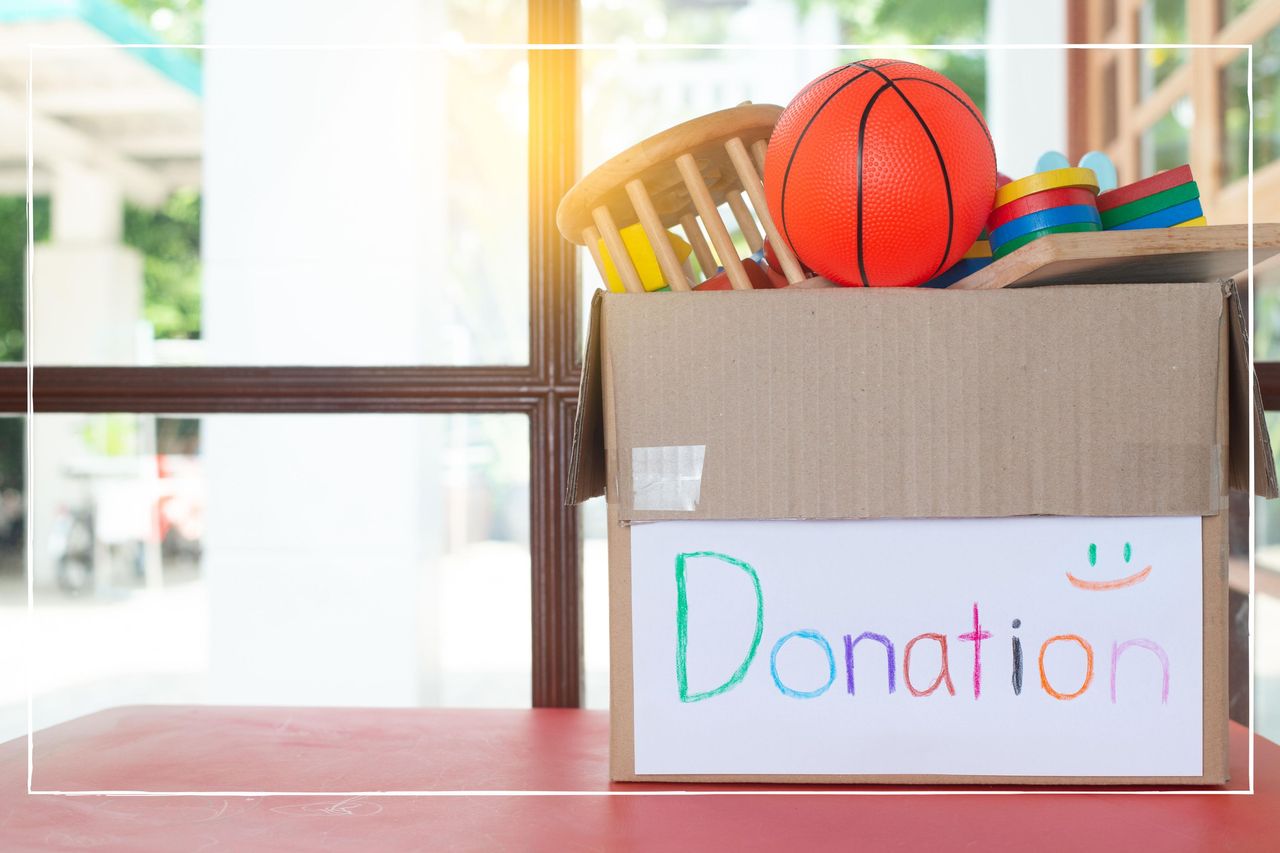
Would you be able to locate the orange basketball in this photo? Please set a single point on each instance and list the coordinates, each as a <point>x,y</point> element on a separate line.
<point>880,174</point>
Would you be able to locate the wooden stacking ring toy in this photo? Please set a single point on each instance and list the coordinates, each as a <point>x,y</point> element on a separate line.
<point>1114,216</point>
<point>1072,176</point>
<point>1062,197</point>
<point>1158,182</point>
<point>1042,219</point>
<point>1019,242</point>
<point>1166,218</point>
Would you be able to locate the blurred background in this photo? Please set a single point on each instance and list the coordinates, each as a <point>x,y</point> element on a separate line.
<point>242,206</point>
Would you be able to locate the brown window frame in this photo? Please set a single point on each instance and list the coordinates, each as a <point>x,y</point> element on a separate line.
<point>545,389</point>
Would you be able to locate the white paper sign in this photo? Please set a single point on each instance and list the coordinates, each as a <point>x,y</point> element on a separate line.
<point>1020,646</point>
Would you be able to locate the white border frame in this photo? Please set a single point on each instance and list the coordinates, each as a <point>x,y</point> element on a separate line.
<point>524,46</point>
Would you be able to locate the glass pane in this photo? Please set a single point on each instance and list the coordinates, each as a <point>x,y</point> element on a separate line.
<point>1266,109</point>
<point>270,206</point>
<point>595,601</point>
<point>378,560</point>
<point>1160,22</point>
<point>1166,143</point>
<point>632,92</point>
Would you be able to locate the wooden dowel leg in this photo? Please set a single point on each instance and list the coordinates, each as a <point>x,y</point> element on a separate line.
<point>706,208</point>
<point>591,237</point>
<point>755,191</point>
<point>701,249</point>
<point>617,250</point>
<point>746,223</point>
<point>759,149</point>
<point>657,234</point>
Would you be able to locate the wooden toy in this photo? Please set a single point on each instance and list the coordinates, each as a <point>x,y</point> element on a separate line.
<point>980,249</point>
<point>1097,161</point>
<point>680,177</point>
<point>960,270</point>
<point>1150,204</point>
<point>1019,242</point>
<point>1147,186</point>
<point>759,277</point>
<point>643,258</point>
<point>1166,218</point>
<point>1062,197</point>
<point>1042,219</point>
<point>1192,223</point>
<point>1102,166</point>
<point>1072,176</point>
<point>880,173</point>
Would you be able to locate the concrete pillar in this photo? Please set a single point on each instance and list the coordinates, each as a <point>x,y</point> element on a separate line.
<point>87,309</point>
<point>1026,89</point>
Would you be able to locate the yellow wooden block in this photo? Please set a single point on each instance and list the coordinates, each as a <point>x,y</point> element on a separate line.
<point>643,257</point>
<point>1199,220</point>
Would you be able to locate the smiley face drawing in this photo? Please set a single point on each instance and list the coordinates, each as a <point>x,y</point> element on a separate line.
<point>1118,583</point>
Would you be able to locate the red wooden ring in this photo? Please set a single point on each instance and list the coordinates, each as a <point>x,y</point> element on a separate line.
<point>1061,197</point>
<point>1159,182</point>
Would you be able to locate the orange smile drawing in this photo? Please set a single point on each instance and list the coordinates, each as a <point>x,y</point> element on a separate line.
<point>1136,577</point>
<point>1118,583</point>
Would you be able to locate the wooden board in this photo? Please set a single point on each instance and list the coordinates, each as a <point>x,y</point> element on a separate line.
<point>1165,255</point>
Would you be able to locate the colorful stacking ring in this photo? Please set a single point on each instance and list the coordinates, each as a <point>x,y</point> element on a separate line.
<point>1042,219</point>
<point>1069,228</point>
<point>1191,223</point>
<point>980,249</point>
<point>1054,179</point>
<point>1165,218</point>
<point>1116,216</point>
<point>1158,182</point>
<point>961,269</point>
<point>1062,197</point>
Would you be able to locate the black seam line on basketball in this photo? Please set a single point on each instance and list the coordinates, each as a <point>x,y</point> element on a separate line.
<point>862,134</point>
<point>982,124</point>
<point>946,179</point>
<point>782,200</point>
<point>845,67</point>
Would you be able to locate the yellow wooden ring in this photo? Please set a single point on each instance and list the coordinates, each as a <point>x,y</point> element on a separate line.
<point>1191,223</point>
<point>1073,176</point>
<point>980,249</point>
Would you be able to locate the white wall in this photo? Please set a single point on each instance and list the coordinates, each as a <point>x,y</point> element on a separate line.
<point>316,223</point>
<point>1026,89</point>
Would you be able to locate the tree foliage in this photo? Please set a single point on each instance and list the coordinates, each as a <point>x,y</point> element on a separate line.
<point>169,240</point>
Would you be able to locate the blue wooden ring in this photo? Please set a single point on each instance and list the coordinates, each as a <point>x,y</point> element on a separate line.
<point>1040,219</point>
<point>960,269</point>
<point>1166,218</point>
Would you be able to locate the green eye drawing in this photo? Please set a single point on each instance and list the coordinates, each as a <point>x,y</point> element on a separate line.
<point>1128,552</point>
<point>1093,554</point>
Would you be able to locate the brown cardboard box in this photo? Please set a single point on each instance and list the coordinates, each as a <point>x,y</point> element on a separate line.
<point>852,403</point>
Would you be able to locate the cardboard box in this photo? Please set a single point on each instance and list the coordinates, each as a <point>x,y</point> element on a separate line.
<point>1036,407</point>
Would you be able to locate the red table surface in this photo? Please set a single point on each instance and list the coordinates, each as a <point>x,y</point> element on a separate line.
<point>239,751</point>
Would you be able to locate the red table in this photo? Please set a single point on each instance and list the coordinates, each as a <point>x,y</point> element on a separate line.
<point>239,751</point>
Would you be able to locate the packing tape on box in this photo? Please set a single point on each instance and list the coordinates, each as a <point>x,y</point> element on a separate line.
<point>668,478</point>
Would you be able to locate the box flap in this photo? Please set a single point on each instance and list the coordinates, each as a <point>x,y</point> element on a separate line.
<point>1246,403</point>
<point>586,454</point>
<point>1079,400</point>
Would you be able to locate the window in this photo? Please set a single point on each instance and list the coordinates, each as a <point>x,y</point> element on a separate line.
<point>398,361</point>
